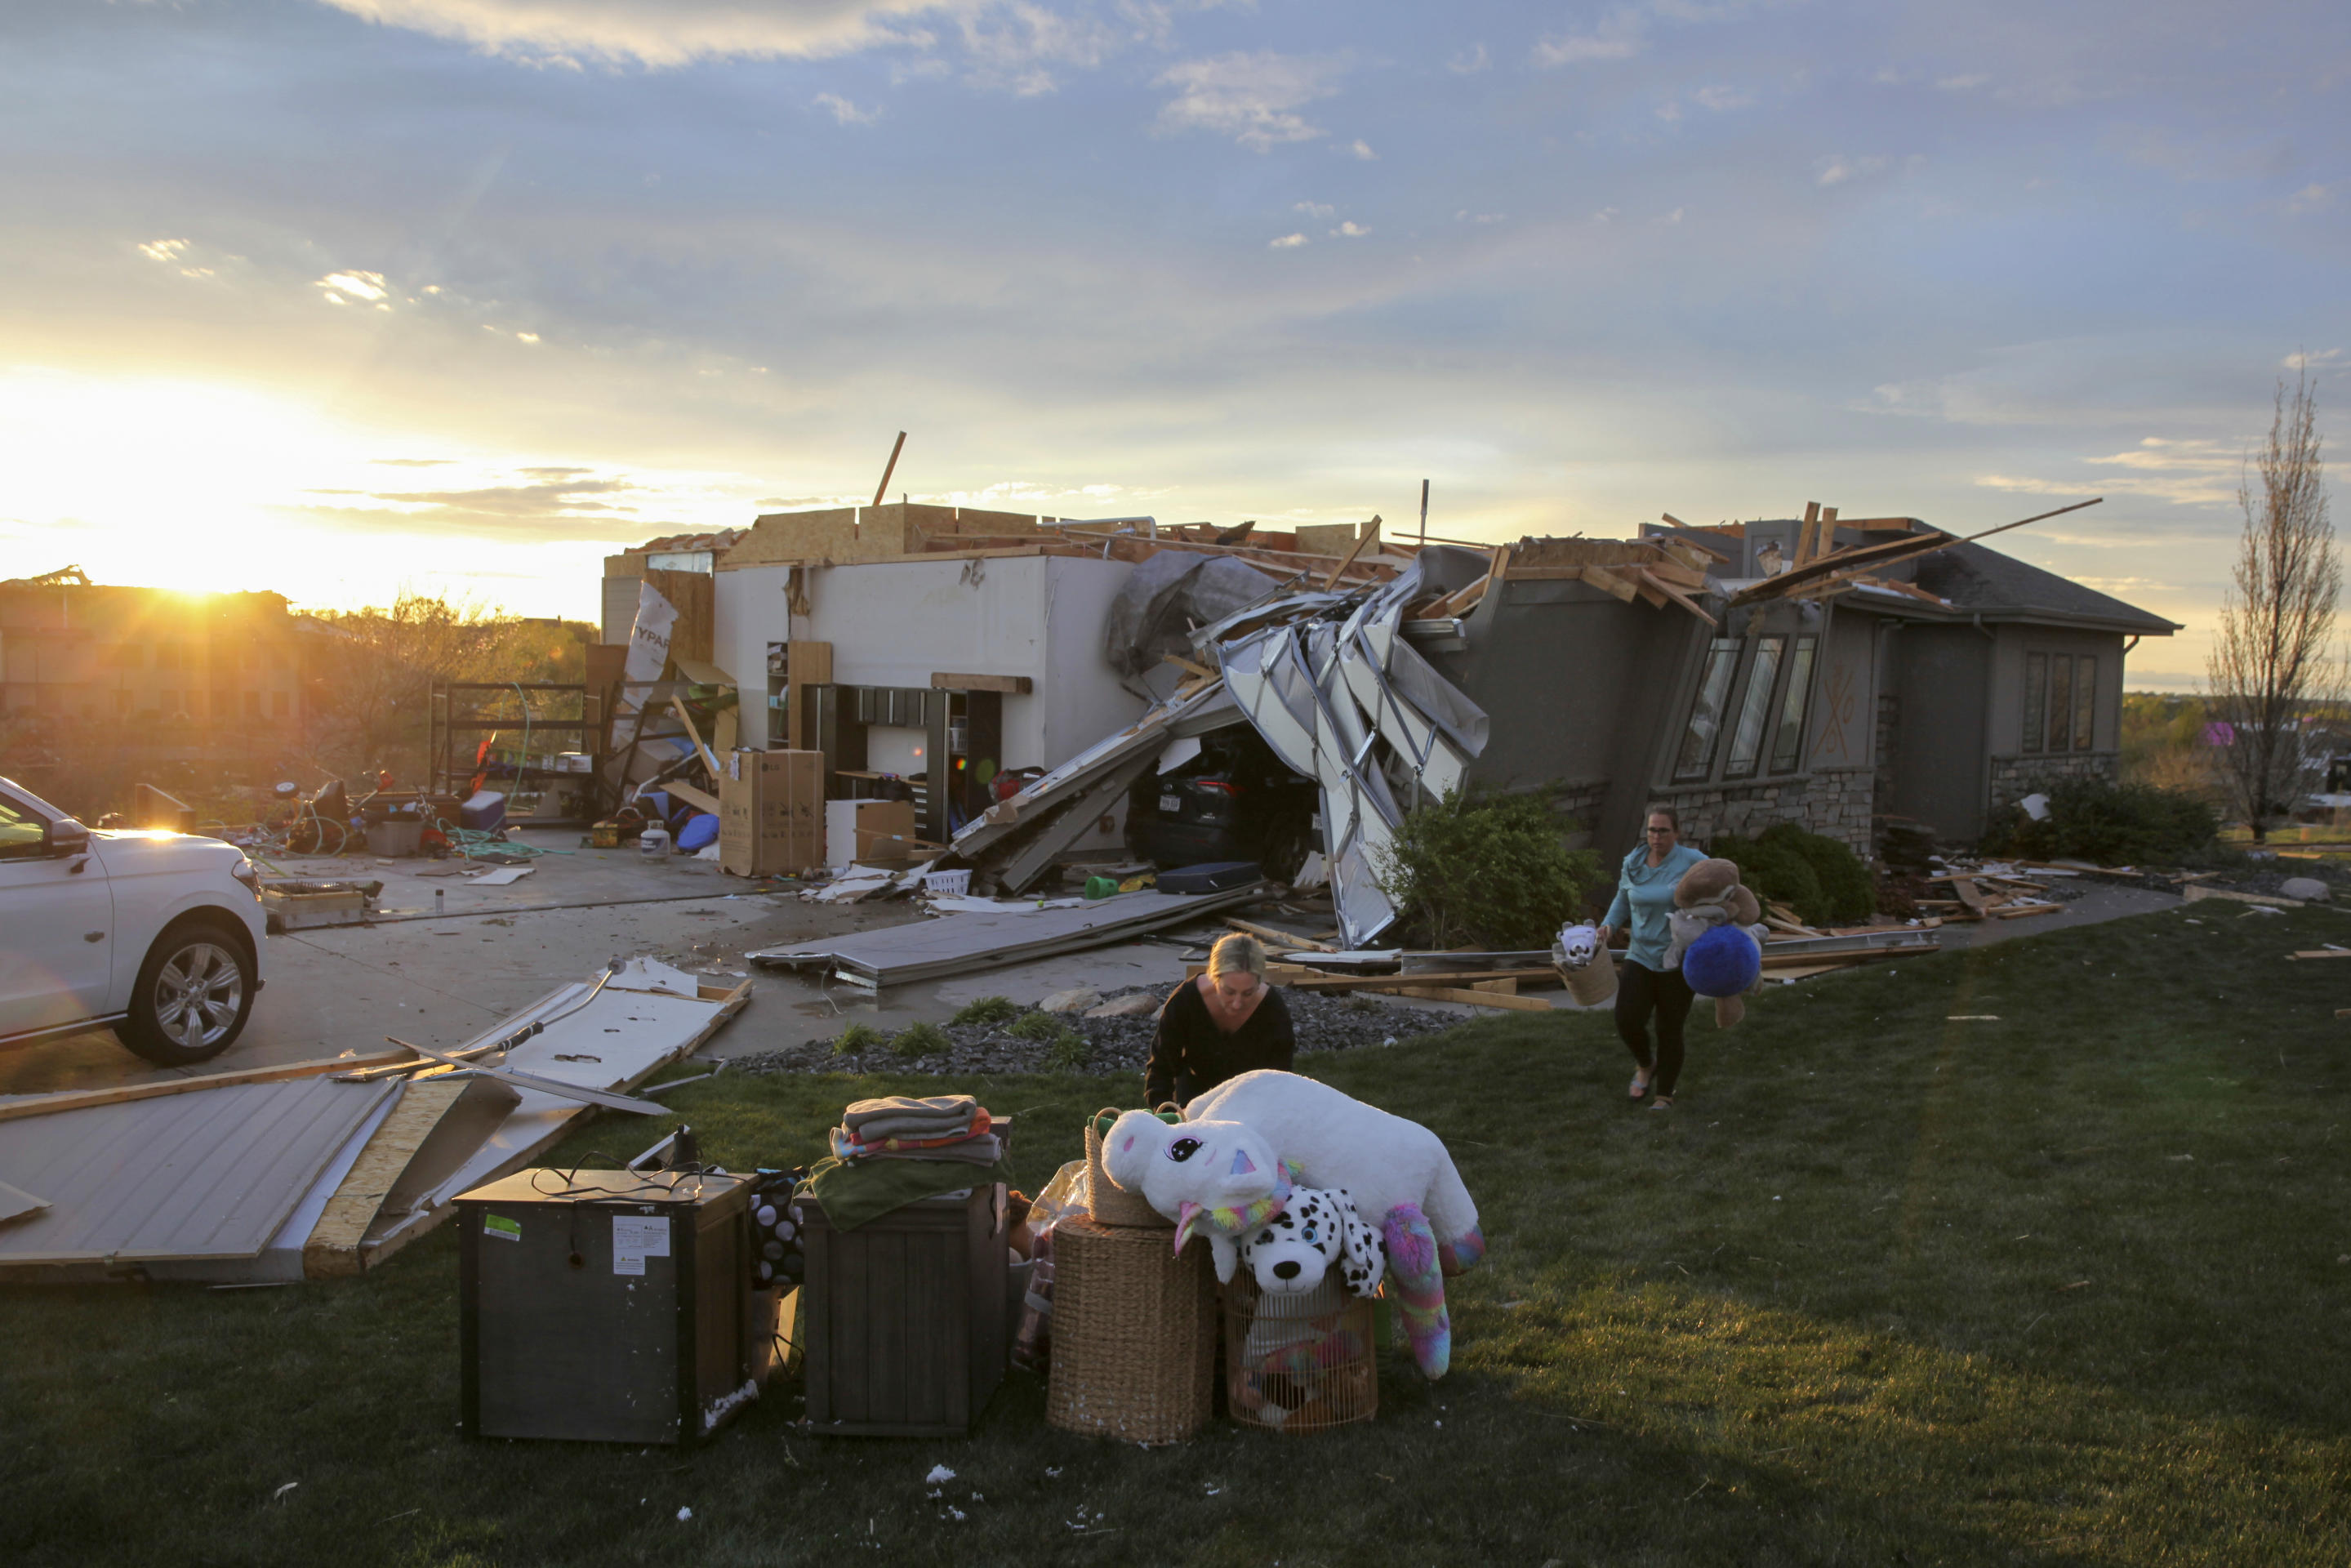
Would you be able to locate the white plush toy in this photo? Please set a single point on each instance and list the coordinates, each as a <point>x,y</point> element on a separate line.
<point>1231,1163</point>
<point>1318,1229</point>
<point>1577,946</point>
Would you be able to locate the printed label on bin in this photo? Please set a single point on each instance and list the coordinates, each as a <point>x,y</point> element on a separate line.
<point>634,1240</point>
<point>500,1226</point>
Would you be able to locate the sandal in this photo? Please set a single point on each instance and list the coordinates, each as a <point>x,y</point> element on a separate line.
<point>1640,1082</point>
<point>1662,1103</point>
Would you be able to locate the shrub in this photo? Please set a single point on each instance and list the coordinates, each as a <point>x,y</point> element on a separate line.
<point>1071,1052</point>
<point>1040,1027</point>
<point>919,1040</point>
<point>1774,870</point>
<point>2106,823</point>
<point>1494,870</point>
<point>1845,883</point>
<point>988,1010</point>
<point>856,1040</point>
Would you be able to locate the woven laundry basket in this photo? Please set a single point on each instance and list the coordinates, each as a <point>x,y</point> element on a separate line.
<point>1112,1204</point>
<point>1593,984</point>
<point>1135,1335</point>
<point>1300,1363</point>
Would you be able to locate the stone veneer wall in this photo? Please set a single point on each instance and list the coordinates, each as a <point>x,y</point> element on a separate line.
<point>2014,778</point>
<point>1835,802</point>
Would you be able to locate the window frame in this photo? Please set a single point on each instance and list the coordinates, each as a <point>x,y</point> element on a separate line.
<point>1724,654</point>
<point>1795,703</point>
<point>1773,646</point>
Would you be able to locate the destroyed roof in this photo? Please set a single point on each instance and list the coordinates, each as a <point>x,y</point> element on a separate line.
<point>1978,580</point>
<point>714,540</point>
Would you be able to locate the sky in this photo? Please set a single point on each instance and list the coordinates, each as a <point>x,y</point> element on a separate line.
<point>340,296</point>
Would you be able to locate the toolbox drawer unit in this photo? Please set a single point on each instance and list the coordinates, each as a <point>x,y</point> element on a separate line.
<point>902,1321</point>
<point>606,1306</point>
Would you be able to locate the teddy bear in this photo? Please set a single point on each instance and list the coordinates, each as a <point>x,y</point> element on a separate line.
<point>1246,1147</point>
<point>1717,938</point>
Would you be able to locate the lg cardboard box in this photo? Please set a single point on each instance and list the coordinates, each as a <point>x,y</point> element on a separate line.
<point>870,833</point>
<point>771,813</point>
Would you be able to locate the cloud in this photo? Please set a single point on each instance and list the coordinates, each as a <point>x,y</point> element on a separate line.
<point>1359,148</point>
<point>1469,61</point>
<point>411,461</point>
<point>1836,169</point>
<point>1722,99</point>
<point>2310,198</point>
<point>1618,37</point>
<point>1466,216</point>
<point>1287,242</point>
<point>664,32</point>
<point>2306,360</point>
<point>1962,83</point>
<point>845,113</point>
<point>2184,472</point>
<point>1251,98</point>
<point>172,251</point>
<point>1350,230</point>
<point>1315,209</point>
<point>354,288</point>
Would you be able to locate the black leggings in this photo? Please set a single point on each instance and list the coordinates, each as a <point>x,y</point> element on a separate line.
<point>1639,992</point>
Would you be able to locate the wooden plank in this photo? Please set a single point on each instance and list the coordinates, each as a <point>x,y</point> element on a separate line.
<point>678,705</point>
<point>1275,933</point>
<point>2322,952</point>
<point>2194,892</point>
<point>1805,533</point>
<point>1609,582</point>
<point>1461,599</point>
<point>76,1100</point>
<point>1674,593</point>
<point>692,797</point>
<point>2021,911</point>
<point>1968,893</point>
<point>333,1250</point>
<point>1324,980</point>
<point>1370,532</point>
<point>1477,998</point>
<point>1652,592</point>
<point>1198,670</point>
<point>1554,573</point>
<point>1010,686</point>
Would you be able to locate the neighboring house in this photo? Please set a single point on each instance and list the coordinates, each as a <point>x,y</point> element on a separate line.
<point>1938,688</point>
<point>151,676</point>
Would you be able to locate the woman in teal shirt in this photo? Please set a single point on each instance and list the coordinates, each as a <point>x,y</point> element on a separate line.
<point>1644,898</point>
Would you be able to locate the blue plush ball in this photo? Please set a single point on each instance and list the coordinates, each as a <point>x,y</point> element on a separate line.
<point>1723,963</point>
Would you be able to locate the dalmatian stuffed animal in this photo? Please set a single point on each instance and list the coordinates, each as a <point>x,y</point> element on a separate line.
<point>1318,1230</point>
<point>1246,1145</point>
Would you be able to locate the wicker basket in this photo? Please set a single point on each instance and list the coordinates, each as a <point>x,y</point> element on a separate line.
<point>1135,1335</point>
<point>1112,1204</point>
<point>1302,1363</point>
<point>1595,982</point>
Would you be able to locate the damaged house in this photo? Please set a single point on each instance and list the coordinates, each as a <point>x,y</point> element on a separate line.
<point>1048,690</point>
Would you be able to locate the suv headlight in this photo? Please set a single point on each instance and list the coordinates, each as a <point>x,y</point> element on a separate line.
<point>245,873</point>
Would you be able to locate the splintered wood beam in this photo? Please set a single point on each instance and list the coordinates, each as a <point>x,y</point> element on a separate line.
<point>888,469</point>
<point>1371,532</point>
<point>692,797</point>
<point>678,705</point>
<point>1181,663</point>
<point>1651,593</point>
<point>1461,599</point>
<point>1805,533</point>
<point>1608,581</point>
<point>1675,592</point>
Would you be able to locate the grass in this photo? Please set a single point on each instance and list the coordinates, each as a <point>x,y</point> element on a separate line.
<point>988,1010</point>
<point>857,1040</point>
<point>1040,1027</point>
<point>1070,1053</point>
<point>918,1040</point>
<point>1895,1283</point>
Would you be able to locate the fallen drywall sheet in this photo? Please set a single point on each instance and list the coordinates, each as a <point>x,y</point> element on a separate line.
<point>207,1175</point>
<point>611,1040</point>
<point>959,944</point>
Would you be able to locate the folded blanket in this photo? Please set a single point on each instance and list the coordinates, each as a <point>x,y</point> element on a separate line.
<point>850,1145</point>
<point>889,1127</point>
<point>852,1192</point>
<point>985,1150</point>
<point>947,1108</point>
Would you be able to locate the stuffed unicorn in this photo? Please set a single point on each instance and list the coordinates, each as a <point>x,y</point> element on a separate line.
<point>1245,1147</point>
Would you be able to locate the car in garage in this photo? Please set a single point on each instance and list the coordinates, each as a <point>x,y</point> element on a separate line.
<point>156,935</point>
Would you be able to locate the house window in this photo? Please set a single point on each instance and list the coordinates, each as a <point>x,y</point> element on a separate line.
<point>1755,707</point>
<point>1696,758</point>
<point>2061,702</point>
<point>1788,745</point>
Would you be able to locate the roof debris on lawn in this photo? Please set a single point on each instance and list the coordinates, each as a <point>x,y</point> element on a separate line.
<point>324,1168</point>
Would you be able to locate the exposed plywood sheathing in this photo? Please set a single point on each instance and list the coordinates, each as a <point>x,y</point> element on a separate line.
<point>436,1126</point>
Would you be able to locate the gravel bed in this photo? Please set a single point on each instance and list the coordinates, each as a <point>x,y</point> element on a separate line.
<point>1109,1045</point>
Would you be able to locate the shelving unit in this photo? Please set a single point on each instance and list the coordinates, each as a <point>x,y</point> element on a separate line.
<point>456,725</point>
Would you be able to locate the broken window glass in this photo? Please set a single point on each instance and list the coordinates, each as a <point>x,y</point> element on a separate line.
<point>1747,740</point>
<point>1696,758</point>
<point>2036,697</point>
<point>1788,745</point>
<point>2085,701</point>
<point>2060,703</point>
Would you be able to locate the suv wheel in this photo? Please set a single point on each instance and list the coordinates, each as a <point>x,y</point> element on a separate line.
<point>193,994</point>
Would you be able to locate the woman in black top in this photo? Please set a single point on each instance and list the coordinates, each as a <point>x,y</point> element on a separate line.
<point>1227,1022</point>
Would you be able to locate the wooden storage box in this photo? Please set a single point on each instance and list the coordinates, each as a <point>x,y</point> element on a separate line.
<point>607,1306</point>
<point>903,1319</point>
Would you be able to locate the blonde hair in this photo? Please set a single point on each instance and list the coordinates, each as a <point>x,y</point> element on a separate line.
<point>1237,953</point>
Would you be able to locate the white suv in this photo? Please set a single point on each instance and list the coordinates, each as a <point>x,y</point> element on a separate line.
<point>156,934</point>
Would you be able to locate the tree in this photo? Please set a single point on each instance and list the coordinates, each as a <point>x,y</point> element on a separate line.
<point>2272,663</point>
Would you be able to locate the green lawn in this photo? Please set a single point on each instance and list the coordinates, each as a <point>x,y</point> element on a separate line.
<point>2072,1286</point>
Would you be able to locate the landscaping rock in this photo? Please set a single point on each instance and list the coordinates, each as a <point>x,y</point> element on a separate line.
<point>2309,889</point>
<point>1077,1000</point>
<point>1129,1006</point>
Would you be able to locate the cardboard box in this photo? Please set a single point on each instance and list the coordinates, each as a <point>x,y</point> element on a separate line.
<point>771,813</point>
<point>870,833</point>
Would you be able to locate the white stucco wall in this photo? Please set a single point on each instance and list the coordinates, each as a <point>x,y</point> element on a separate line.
<point>893,623</point>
